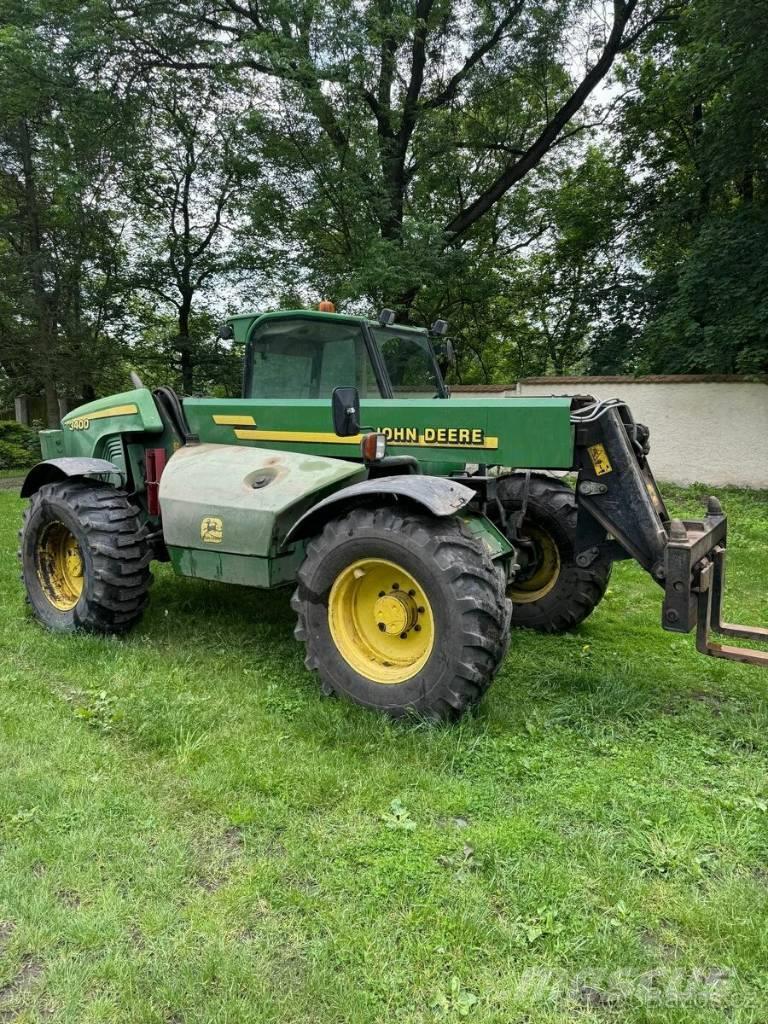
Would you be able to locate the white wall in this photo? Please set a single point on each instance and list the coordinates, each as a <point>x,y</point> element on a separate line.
<point>703,432</point>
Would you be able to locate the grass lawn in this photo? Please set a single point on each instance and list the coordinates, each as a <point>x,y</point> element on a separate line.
<point>189,832</point>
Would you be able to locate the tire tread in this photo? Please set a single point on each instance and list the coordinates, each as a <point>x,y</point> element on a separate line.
<point>481,607</point>
<point>580,589</point>
<point>116,544</point>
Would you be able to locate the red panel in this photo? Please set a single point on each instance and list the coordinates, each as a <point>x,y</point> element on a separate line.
<point>154,464</point>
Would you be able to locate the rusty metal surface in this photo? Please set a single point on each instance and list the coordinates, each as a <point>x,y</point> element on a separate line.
<point>711,585</point>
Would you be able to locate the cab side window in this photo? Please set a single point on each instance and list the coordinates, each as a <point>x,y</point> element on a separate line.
<point>307,358</point>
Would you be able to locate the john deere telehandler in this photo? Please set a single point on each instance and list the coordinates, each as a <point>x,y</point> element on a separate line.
<point>347,472</point>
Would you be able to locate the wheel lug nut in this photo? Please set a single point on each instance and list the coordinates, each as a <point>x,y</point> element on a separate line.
<point>411,593</point>
<point>403,636</point>
<point>395,586</point>
<point>382,627</point>
<point>381,593</point>
<point>420,610</point>
<point>417,628</point>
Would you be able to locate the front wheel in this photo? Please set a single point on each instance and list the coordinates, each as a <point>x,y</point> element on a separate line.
<point>402,612</point>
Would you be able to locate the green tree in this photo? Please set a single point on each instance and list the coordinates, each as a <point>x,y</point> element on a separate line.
<point>697,135</point>
<point>185,182</point>
<point>402,127</point>
<point>60,230</point>
<point>543,306</point>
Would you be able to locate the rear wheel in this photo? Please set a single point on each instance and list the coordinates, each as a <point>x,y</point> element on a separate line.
<point>84,558</point>
<point>550,593</point>
<point>403,613</point>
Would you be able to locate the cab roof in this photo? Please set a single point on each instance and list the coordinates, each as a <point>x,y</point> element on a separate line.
<point>242,322</point>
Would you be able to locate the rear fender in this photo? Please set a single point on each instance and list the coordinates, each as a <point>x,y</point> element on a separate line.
<point>433,494</point>
<point>62,469</point>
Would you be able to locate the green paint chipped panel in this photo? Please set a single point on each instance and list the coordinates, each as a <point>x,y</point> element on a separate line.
<point>490,535</point>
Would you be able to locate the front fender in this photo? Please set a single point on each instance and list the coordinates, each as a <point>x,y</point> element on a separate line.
<point>437,495</point>
<point>61,469</point>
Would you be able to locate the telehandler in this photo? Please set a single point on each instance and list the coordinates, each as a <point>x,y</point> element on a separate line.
<point>413,526</point>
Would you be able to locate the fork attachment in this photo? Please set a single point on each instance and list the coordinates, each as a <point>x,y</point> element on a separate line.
<point>695,585</point>
<point>622,515</point>
<point>711,585</point>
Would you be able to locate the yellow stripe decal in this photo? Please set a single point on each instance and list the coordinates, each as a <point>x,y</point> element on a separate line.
<point>102,414</point>
<point>235,421</point>
<point>296,435</point>
<point>310,437</point>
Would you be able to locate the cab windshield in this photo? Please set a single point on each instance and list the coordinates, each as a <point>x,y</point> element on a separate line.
<point>410,362</point>
<point>299,357</point>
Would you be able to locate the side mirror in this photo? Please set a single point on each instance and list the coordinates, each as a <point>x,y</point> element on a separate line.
<point>345,404</point>
<point>446,352</point>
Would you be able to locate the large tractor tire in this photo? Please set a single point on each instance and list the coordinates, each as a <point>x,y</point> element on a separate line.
<point>84,558</point>
<point>550,593</point>
<point>400,612</point>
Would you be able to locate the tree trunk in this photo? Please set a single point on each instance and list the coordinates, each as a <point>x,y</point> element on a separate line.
<point>44,304</point>
<point>184,345</point>
<point>747,186</point>
<point>404,304</point>
<point>52,415</point>
<point>704,189</point>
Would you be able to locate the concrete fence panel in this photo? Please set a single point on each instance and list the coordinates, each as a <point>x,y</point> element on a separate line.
<point>711,430</point>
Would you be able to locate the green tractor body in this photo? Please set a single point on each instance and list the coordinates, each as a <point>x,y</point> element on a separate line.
<point>411,523</point>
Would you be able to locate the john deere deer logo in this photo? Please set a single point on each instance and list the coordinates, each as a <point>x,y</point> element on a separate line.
<point>211,530</point>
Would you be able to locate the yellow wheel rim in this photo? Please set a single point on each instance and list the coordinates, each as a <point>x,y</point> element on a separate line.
<point>381,621</point>
<point>546,569</point>
<point>59,564</point>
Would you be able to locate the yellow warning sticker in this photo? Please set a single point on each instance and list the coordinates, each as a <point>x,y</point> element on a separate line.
<point>212,530</point>
<point>600,459</point>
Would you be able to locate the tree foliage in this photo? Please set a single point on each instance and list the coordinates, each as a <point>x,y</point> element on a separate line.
<point>695,136</point>
<point>61,147</point>
<point>405,125</point>
<point>185,184</point>
<point>575,184</point>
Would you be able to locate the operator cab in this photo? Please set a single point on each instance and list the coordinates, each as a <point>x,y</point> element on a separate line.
<point>302,354</point>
